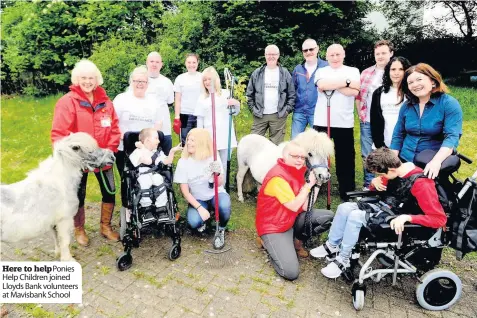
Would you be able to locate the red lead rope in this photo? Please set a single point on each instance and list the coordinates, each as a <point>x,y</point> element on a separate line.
<point>214,146</point>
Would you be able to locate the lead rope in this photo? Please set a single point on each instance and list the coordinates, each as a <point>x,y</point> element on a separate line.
<point>106,184</point>
<point>308,226</point>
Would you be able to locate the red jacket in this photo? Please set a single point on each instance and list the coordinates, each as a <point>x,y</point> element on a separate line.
<point>272,216</point>
<point>74,113</point>
<point>424,190</point>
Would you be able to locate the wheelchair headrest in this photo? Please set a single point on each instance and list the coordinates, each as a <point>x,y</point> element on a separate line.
<point>450,165</point>
<point>131,137</point>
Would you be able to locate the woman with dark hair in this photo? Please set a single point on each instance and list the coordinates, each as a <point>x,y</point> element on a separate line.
<point>386,102</point>
<point>428,119</point>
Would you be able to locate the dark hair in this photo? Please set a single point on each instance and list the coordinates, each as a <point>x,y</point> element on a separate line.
<point>381,159</point>
<point>430,72</point>
<point>387,83</point>
<point>384,42</point>
<point>192,54</point>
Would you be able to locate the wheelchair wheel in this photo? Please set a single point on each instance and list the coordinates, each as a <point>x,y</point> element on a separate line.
<point>124,261</point>
<point>123,225</point>
<point>358,292</point>
<point>438,289</point>
<point>174,252</point>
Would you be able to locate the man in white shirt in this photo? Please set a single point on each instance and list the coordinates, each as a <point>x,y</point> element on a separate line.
<point>343,83</point>
<point>161,88</point>
<point>371,78</point>
<point>271,97</point>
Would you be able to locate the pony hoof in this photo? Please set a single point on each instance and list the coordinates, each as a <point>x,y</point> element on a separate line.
<point>240,198</point>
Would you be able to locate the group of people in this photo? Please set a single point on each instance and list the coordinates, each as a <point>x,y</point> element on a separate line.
<point>144,107</point>
<point>402,110</point>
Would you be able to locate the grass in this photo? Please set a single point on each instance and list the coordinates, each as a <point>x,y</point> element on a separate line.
<point>25,141</point>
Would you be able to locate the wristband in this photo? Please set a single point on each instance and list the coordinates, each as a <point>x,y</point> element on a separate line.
<point>197,208</point>
<point>307,189</point>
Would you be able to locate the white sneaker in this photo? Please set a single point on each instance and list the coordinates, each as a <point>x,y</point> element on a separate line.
<point>335,268</point>
<point>325,250</point>
<point>201,228</point>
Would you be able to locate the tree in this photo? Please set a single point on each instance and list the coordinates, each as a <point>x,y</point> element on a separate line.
<point>461,13</point>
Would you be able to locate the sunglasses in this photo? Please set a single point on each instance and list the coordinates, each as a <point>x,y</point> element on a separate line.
<point>298,157</point>
<point>306,50</point>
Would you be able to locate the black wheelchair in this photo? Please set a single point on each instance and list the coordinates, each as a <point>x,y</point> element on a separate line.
<point>417,251</point>
<point>136,219</point>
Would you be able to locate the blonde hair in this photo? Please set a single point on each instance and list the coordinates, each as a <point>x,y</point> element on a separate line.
<point>85,66</point>
<point>214,76</point>
<point>140,70</point>
<point>146,133</point>
<point>203,144</point>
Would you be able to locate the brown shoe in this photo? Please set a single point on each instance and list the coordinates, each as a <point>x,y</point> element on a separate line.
<point>80,234</point>
<point>105,226</point>
<point>259,242</point>
<point>81,237</point>
<point>300,250</point>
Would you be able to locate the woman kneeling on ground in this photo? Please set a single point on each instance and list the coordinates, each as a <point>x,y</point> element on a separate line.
<point>194,173</point>
<point>280,220</point>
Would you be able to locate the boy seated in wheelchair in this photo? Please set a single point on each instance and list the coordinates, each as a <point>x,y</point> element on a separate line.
<point>147,160</point>
<point>418,197</point>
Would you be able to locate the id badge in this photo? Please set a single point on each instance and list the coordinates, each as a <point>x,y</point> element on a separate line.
<point>106,121</point>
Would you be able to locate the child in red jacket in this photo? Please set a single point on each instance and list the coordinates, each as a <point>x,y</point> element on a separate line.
<point>349,219</point>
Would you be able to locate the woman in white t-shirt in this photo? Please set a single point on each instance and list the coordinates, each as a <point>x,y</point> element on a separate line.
<point>386,102</point>
<point>203,112</point>
<point>194,173</point>
<point>187,88</point>
<point>135,111</point>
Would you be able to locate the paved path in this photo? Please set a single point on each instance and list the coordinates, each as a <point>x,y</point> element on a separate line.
<point>240,284</point>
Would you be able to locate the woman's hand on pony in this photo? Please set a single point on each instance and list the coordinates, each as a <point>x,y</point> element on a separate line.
<point>213,167</point>
<point>397,224</point>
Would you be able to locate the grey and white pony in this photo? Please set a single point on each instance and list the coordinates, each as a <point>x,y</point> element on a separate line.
<point>46,200</point>
<point>259,154</point>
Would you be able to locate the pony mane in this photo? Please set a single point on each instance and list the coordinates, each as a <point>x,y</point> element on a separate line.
<point>316,143</point>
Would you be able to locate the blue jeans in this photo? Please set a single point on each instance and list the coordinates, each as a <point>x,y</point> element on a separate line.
<point>299,122</point>
<point>366,148</point>
<point>193,216</point>
<point>167,144</point>
<point>345,228</point>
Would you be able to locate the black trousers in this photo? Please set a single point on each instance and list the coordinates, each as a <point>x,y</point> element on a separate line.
<point>345,156</point>
<point>106,197</point>
<point>188,122</point>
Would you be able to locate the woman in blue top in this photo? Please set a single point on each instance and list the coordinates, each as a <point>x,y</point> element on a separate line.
<point>429,119</point>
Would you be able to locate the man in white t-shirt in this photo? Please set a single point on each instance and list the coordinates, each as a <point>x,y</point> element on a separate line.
<point>161,88</point>
<point>271,97</point>
<point>343,83</point>
<point>371,78</point>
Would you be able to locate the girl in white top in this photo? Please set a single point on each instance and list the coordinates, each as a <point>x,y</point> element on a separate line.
<point>194,173</point>
<point>203,111</point>
<point>386,103</point>
<point>187,88</point>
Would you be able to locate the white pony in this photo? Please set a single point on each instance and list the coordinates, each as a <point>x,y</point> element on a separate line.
<point>46,201</point>
<point>259,154</point>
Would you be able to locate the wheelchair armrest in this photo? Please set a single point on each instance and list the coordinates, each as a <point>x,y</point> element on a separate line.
<point>354,194</point>
<point>406,226</point>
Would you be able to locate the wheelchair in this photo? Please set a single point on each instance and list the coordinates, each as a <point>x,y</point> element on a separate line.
<point>417,251</point>
<point>136,219</point>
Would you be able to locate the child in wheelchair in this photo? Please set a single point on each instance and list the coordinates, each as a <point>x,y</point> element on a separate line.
<point>419,204</point>
<point>147,161</point>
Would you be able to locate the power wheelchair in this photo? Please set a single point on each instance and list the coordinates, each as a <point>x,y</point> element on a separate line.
<point>417,251</point>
